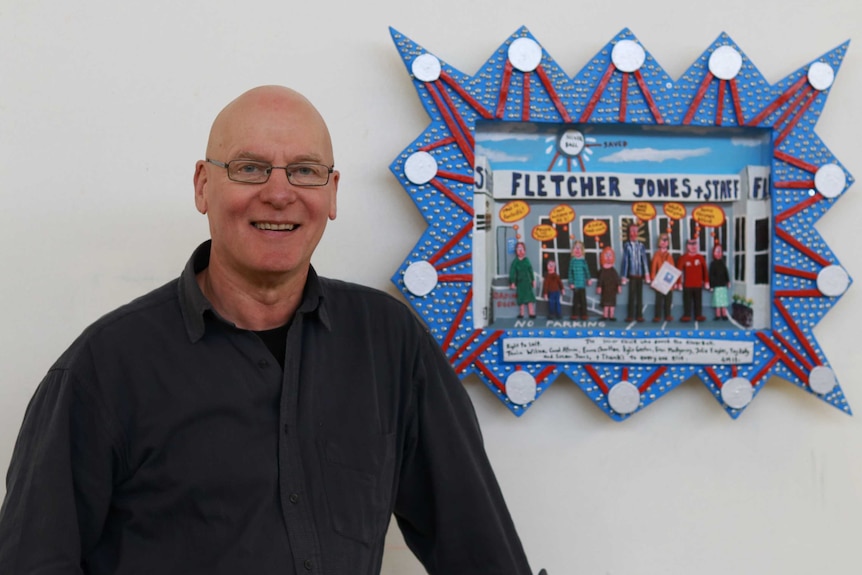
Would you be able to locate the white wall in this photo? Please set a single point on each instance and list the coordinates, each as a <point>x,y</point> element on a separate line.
<point>105,106</point>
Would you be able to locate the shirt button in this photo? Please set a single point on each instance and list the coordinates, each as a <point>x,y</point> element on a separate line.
<point>263,364</point>
<point>294,498</point>
<point>308,564</point>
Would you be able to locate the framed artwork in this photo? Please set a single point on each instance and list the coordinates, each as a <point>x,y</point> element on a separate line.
<point>621,228</point>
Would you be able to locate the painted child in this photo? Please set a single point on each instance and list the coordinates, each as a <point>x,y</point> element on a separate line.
<point>522,281</point>
<point>579,278</point>
<point>719,279</point>
<point>552,286</point>
<point>695,277</point>
<point>663,302</point>
<point>609,284</point>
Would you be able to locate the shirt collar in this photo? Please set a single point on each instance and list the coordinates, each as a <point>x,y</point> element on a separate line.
<point>195,306</point>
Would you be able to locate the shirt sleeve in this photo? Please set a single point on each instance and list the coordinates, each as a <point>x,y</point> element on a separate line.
<point>449,506</point>
<point>624,267</point>
<point>59,482</point>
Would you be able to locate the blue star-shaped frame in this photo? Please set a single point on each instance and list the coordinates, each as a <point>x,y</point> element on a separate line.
<point>622,85</point>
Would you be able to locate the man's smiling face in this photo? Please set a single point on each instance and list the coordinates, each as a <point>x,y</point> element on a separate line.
<point>266,232</point>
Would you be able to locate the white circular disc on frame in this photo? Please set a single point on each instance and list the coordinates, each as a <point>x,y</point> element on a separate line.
<point>525,54</point>
<point>832,281</point>
<point>821,379</point>
<point>426,68</point>
<point>737,392</point>
<point>521,387</point>
<point>830,180</point>
<point>420,168</point>
<point>624,398</point>
<point>572,142</point>
<point>820,76</point>
<point>725,63</point>
<point>420,278</point>
<point>628,56</point>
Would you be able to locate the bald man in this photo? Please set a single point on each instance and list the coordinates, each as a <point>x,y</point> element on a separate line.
<point>251,417</point>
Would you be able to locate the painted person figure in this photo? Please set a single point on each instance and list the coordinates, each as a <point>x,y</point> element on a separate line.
<point>522,280</point>
<point>695,277</point>
<point>663,302</point>
<point>719,279</point>
<point>552,287</point>
<point>609,284</point>
<point>635,268</point>
<point>579,278</point>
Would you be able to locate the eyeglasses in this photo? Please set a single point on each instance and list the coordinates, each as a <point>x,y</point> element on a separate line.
<point>303,174</point>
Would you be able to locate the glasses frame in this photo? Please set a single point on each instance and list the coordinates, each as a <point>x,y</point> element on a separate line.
<point>226,166</point>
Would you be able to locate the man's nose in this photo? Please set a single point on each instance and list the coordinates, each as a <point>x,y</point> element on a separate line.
<point>278,190</point>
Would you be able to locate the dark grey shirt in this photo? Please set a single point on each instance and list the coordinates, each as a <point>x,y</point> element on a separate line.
<point>166,440</point>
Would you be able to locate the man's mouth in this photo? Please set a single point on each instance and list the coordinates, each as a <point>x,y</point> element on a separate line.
<point>274,227</point>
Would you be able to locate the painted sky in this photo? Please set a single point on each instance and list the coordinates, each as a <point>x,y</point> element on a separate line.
<point>625,148</point>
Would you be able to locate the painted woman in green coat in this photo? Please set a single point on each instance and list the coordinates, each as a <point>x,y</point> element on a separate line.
<point>522,280</point>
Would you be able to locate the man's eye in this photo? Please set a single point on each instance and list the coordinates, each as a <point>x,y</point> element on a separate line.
<point>250,168</point>
<point>301,170</point>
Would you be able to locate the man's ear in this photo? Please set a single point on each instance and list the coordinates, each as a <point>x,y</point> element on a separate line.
<point>335,176</point>
<point>200,181</point>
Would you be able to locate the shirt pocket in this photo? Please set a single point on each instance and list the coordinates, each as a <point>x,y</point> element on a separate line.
<point>358,478</point>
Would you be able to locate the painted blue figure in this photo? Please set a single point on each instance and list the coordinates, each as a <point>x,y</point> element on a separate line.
<point>635,268</point>
<point>579,278</point>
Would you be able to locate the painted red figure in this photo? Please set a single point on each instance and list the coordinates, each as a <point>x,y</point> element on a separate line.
<point>695,277</point>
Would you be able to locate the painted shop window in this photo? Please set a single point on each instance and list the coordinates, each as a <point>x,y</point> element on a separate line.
<point>739,248</point>
<point>552,186</point>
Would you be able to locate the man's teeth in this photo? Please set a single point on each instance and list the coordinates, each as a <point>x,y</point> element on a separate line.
<point>276,227</point>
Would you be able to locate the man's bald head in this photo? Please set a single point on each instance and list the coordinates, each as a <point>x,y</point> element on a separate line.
<point>233,122</point>
<point>264,232</point>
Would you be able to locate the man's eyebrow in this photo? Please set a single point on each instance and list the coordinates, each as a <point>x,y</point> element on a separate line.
<point>246,155</point>
<point>308,157</point>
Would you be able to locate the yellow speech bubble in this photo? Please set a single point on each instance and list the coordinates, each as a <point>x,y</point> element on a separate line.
<point>595,228</point>
<point>708,215</point>
<point>562,214</point>
<point>514,211</point>
<point>645,211</point>
<point>674,210</point>
<point>544,232</point>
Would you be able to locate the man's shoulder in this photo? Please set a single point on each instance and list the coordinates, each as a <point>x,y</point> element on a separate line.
<point>339,291</point>
<point>142,305</point>
<point>154,310</point>
<point>351,303</point>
